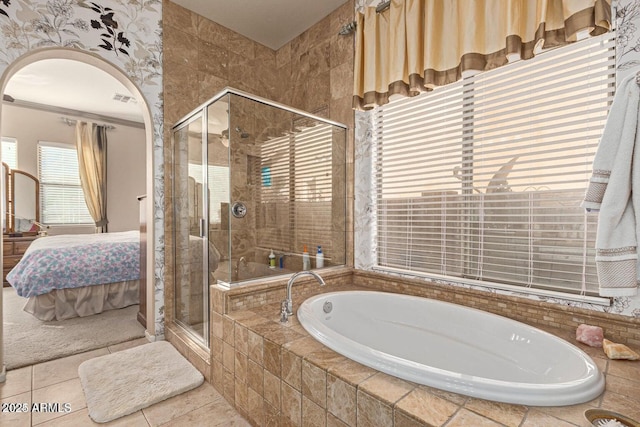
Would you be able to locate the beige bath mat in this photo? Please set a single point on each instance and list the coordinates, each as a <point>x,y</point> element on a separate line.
<point>122,383</point>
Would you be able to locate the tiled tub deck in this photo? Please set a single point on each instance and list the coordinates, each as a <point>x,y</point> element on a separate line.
<point>277,375</point>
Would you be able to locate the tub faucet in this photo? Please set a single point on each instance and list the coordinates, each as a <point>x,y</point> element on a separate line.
<point>286,307</point>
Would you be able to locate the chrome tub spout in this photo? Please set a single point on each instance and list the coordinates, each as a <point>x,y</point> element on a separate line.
<point>286,307</point>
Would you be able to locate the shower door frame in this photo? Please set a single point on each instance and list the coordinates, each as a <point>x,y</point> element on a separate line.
<point>232,91</point>
<point>252,97</point>
<point>202,111</point>
<point>203,221</point>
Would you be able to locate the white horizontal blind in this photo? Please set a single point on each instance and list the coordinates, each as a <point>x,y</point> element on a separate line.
<point>296,190</point>
<point>10,152</point>
<point>482,179</point>
<point>313,189</point>
<point>10,157</point>
<point>274,181</point>
<point>61,197</point>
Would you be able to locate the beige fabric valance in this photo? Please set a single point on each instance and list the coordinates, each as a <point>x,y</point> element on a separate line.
<point>419,44</point>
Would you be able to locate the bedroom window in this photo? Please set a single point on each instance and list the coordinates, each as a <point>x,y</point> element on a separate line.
<point>61,196</point>
<point>10,152</point>
<point>481,181</point>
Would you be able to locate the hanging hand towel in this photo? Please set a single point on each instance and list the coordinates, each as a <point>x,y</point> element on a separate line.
<point>614,190</point>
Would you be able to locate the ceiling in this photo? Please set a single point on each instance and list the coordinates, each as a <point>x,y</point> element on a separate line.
<point>71,85</point>
<point>272,23</point>
<point>63,84</point>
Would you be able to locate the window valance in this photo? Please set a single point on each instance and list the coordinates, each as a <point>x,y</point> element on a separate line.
<point>416,45</point>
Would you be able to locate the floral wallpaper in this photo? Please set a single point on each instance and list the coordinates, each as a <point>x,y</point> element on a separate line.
<point>627,14</point>
<point>127,34</point>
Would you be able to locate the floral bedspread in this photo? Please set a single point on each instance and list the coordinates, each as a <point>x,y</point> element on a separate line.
<point>73,261</point>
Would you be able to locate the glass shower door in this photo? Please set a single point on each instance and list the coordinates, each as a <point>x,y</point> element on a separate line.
<point>218,175</point>
<point>191,282</point>
<point>259,178</point>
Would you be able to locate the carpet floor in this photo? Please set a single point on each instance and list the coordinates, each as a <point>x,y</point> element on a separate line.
<point>124,382</point>
<point>28,341</point>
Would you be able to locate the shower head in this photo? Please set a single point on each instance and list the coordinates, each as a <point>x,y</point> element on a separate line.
<point>348,29</point>
<point>242,133</point>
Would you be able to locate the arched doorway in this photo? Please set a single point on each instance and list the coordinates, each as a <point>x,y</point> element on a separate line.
<point>106,67</point>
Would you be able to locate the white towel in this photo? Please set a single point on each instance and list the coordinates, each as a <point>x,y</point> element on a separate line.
<point>614,190</point>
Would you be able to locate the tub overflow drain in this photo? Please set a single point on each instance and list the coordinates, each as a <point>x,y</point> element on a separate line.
<point>327,307</point>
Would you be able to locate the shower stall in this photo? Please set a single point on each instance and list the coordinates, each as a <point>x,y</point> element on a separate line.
<point>255,183</point>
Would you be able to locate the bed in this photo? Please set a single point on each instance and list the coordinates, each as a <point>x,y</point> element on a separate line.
<point>78,275</point>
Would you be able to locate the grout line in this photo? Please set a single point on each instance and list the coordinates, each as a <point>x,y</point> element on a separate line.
<point>145,417</point>
<point>33,379</point>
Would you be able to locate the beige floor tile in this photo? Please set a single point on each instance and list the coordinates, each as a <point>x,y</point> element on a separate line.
<point>59,370</point>
<point>464,418</point>
<point>623,386</point>
<point>67,392</point>
<point>536,418</point>
<point>20,411</point>
<point>57,381</point>
<point>426,407</point>
<point>18,381</point>
<point>81,419</point>
<point>624,369</point>
<point>388,388</point>
<point>172,408</point>
<point>215,414</point>
<point>573,414</point>
<point>505,413</point>
<point>629,406</point>
<point>127,344</point>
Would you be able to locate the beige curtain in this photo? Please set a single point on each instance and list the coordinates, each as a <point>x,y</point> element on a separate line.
<point>416,45</point>
<point>91,144</point>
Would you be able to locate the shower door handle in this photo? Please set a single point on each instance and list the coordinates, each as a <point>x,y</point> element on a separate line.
<point>203,227</point>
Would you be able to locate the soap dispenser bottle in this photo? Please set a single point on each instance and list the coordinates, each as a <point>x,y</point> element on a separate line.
<point>319,258</point>
<point>306,261</point>
<point>272,259</point>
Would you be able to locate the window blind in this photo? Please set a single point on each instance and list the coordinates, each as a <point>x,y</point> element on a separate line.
<point>61,196</point>
<point>296,190</point>
<point>10,152</point>
<point>482,179</point>
<point>313,189</point>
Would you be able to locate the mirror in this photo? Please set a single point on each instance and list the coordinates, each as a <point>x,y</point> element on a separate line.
<point>22,205</point>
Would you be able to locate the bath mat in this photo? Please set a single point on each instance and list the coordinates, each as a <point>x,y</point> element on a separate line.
<point>122,383</point>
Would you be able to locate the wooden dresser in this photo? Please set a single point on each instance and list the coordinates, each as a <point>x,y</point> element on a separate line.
<point>13,249</point>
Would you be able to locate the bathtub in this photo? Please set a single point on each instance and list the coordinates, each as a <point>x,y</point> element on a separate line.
<point>452,348</point>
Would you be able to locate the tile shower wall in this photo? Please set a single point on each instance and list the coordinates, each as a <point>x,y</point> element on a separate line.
<point>312,72</point>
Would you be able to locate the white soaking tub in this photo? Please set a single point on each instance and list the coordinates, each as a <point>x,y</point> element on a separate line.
<point>452,347</point>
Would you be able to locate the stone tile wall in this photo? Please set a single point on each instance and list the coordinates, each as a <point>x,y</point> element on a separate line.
<point>312,72</point>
